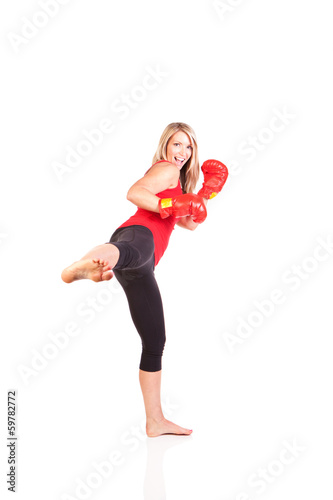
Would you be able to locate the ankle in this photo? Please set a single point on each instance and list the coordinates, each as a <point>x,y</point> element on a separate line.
<point>154,419</point>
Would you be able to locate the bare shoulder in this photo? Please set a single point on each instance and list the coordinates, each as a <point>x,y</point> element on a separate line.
<point>166,171</point>
<point>159,177</point>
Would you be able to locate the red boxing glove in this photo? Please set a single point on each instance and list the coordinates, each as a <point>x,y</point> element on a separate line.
<point>183,205</point>
<point>215,176</point>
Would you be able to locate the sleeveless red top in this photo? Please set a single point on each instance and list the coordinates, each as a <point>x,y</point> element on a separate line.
<point>161,228</point>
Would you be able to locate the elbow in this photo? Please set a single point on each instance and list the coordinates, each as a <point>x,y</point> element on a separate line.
<point>129,195</point>
<point>194,226</point>
<point>133,195</point>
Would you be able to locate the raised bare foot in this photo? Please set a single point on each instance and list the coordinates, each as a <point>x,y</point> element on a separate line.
<point>156,428</point>
<point>93,269</point>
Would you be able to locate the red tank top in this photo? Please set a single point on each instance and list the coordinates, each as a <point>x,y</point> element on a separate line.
<point>161,228</point>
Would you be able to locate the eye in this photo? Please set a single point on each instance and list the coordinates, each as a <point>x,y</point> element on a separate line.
<point>190,147</point>
<point>176,143</point>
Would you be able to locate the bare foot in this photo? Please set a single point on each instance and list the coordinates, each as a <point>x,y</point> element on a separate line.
<point>93,269</point>
<point>156,428</point>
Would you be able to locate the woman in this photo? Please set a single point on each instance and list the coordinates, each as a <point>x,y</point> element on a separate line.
<point>164,197</point>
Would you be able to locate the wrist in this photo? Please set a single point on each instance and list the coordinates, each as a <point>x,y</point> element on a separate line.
<point>165,207</point>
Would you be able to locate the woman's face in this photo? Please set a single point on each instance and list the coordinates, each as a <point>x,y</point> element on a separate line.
<point>179,149</point>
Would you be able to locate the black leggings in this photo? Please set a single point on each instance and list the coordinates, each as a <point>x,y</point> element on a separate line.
<point>135,272</point>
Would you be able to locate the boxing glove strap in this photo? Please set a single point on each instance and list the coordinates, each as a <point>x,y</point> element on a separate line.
<point>166,202</point>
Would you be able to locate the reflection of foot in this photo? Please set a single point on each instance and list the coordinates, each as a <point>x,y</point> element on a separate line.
<point>93,269</point>
<point>157,428</point>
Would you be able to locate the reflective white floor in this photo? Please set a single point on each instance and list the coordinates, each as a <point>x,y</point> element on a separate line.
<point>261,419</point>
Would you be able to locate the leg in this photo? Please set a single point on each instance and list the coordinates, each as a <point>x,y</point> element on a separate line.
<point>156,424</point>
<point>146,309</point>
<point>150,383</point>
<point>95,265</point>
<point>98,262</point>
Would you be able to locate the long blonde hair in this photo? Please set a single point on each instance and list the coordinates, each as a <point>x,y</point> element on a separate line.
<point>189,174</point>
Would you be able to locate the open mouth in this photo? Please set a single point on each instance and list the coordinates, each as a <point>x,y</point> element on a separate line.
<point>179,161</point>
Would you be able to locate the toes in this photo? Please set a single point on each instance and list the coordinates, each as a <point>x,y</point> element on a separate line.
<point>101,262</point>
<point>107,275</point>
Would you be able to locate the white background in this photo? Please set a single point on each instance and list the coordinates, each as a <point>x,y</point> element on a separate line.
<point>226,72</point>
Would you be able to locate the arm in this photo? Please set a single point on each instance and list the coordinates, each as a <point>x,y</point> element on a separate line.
<point>159,178</point>
<point>215,176</point>
<point>187,222</point>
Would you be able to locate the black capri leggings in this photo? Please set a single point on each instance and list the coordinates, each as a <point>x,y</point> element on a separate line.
<point>135,273</point>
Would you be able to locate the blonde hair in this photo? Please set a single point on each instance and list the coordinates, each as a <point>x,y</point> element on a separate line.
<point>189,174</point>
